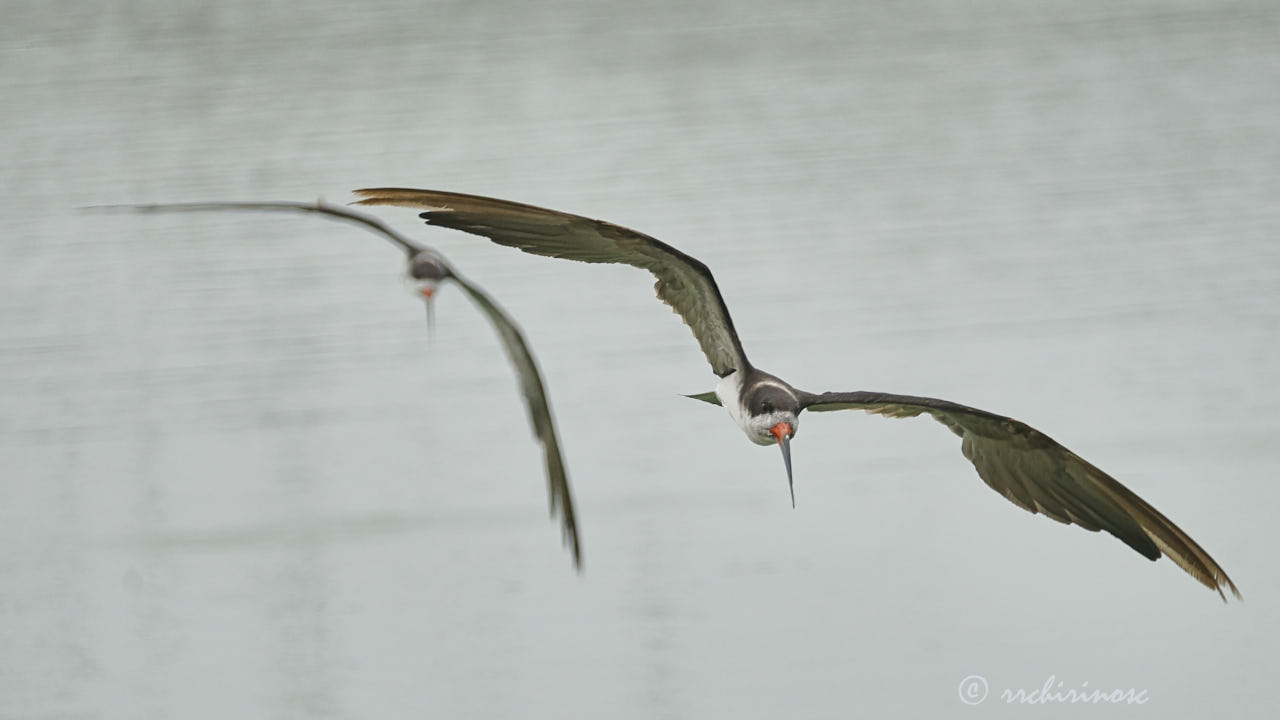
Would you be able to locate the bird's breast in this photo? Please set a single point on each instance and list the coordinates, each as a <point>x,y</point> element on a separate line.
<point>729,390</point>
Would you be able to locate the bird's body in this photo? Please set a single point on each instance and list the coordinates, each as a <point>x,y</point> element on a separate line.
<point>1022,464</point>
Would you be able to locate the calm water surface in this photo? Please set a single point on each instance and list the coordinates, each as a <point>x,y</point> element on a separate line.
<point>238,480</point>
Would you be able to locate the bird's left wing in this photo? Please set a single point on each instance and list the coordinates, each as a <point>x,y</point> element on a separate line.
<point>535,400</point>
<point>320,207</point>
<point>684,283</point>
<point>1037,474</point>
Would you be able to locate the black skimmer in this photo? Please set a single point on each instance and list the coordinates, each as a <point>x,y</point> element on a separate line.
<point>1021,463</point>
<point>426,270</point>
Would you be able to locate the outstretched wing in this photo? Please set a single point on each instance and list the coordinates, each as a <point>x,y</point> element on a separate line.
<point>535,401</point>
<point>684,283</point>
<point>335,211</point>
<point>535,398</point>
<point>1037,474</point>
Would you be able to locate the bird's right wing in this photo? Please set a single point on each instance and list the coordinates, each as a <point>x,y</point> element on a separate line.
<point>684,283</point>
<point>535,401</point>
<point>1035,473</point>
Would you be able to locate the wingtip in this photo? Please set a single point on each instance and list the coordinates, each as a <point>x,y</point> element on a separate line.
<point>1225,582</point>
<point>368,196</point>
<point>119,208</point>
<point>570,540</point>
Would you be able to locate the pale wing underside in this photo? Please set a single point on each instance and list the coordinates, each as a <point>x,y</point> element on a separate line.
<point>684,283</point>
<point>1037,474</point>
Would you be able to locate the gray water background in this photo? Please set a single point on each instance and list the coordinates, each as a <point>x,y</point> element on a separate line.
<point>238,482</point>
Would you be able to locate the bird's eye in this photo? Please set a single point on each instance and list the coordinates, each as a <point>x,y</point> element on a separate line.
<point>766,406</point>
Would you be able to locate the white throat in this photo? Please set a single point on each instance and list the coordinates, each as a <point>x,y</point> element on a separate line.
<point>729,390</point>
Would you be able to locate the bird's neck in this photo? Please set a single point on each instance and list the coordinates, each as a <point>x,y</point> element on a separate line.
<point>729,390</point>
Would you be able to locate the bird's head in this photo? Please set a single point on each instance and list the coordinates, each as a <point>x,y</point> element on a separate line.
<point>427,269</point>
<point>768,414</point>
<point>773,416</point>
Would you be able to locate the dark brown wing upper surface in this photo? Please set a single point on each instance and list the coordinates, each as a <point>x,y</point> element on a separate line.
<point>684,283</point>
<point>1035,473</point>
<point>535,401</point>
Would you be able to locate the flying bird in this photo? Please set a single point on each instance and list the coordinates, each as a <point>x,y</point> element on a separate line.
<point>1021,463</point>
<point>427,270</point>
